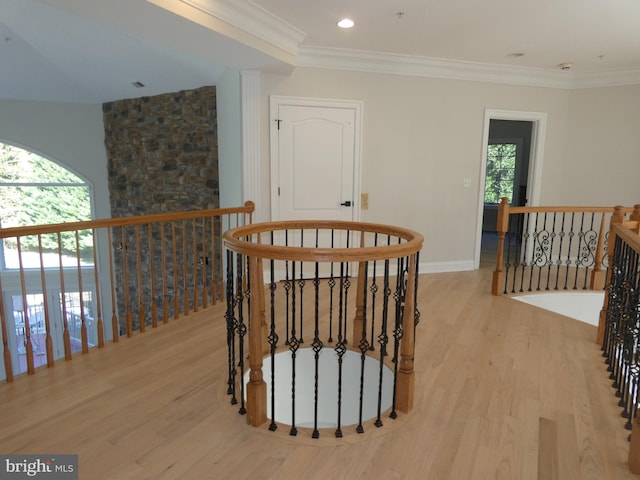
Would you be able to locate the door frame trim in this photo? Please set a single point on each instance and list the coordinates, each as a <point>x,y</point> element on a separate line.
<point>538,132</point>
<point>275,101</point>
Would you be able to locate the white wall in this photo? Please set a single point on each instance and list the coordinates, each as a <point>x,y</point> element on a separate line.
<point>424,133</point>
<point>602,160</point>
<point>229,138</point>
<point>70,133</point>
<point>421,137</point>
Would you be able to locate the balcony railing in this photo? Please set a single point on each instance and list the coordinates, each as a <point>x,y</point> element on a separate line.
<point>65,288</point>
<point>551,248</point>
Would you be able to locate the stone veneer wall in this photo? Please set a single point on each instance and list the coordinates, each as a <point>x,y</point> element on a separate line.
<point>162,152</point>
<point>162,157</point>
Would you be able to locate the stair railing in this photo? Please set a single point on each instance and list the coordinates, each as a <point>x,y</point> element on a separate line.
<point>619,327</point>
<point>551,248</point>
<point>309,271</point>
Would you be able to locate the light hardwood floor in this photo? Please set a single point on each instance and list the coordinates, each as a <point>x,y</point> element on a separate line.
<point>503,391</point>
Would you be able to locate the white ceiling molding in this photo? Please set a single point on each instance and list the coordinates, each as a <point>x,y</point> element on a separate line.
<point>607,78</point>
<point>242,15</point>
<point>374,62</point>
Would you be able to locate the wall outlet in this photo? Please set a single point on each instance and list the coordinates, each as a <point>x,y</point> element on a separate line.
<point>364,201</point>
<point>466,182</point>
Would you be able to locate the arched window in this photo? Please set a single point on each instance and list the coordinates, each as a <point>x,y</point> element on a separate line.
<point>35,191</point>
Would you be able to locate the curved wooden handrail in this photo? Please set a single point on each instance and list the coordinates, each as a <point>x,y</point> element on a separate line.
<point>235,240</point>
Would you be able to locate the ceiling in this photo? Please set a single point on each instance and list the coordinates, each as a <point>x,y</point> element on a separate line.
<point>94,50</point>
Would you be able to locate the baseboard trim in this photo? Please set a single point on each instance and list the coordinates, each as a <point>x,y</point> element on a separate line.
<point>443,267</point>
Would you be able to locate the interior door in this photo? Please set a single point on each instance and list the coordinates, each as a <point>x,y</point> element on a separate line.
<point>314,167</point>
<point>315,148</point>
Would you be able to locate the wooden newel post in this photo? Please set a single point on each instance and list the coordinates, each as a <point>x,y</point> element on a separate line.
<point>256,387</point>
<point>502,226</point>
<point>635,216</point>
<point>617,217</point>
<point>406,374</point>
<point>263,320</point>
<point>358,320</point>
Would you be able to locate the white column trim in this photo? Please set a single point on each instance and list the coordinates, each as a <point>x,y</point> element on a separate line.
<point>250,99</point>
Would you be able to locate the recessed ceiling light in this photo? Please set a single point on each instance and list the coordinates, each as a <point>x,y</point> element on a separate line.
<point>137,84</point>
<point>346,23</point>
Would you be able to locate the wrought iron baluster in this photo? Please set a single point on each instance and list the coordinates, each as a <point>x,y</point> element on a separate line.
<point>541,246</point>
<point>294,345</point>
<point>416,309</point>
<point>317,348</point>
<point>332,283</point>
<point>383,339</point>
<point>522,263</point>
<point>346,284</point>
<point>568,261</point>
<point>301,283</point>
<point>287,288</point>
<point>560,237</point>
<point>273,342</point>
<point>340,348</point>
<point>374,290</point>
<point>580,245</point>
<point>591,245</point>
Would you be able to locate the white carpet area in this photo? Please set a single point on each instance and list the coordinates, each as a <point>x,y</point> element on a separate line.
<point>583,306</point>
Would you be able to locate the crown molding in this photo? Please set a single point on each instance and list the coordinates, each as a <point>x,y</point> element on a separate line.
<point>615,77</point>
<point>243,21</point>
<point>254,20</point>
<point>374,62</point>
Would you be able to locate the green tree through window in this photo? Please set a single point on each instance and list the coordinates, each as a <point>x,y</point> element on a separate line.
<point>37,191</point>
<point>500,176</point>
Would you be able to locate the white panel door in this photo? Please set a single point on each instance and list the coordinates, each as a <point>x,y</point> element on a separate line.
<point>314,161</point>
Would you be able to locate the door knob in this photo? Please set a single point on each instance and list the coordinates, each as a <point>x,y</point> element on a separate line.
<point>346,204</point>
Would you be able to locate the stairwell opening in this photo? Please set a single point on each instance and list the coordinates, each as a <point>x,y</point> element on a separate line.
<point>372,399</point>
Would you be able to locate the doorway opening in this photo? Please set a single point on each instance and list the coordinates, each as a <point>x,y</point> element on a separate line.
<point>511,165</point>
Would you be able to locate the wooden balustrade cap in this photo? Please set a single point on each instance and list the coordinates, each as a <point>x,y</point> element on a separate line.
<point>239,240</point>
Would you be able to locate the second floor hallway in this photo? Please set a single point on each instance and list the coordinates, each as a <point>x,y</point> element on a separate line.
<point>503,390</point>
